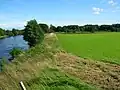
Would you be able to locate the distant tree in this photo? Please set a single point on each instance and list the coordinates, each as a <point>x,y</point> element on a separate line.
<point>82,29</point>
<point>64,29</point>
<point>2,32</point>
<point>14,31</point>
<point>59,29</point>
<point>19,32</point>
<point>9,33</point>
<point>33,33</point>
<point>44,27</point>
<point>52,28</point>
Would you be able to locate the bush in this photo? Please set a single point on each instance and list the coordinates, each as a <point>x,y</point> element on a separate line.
<point>33,33</point>
<point>2,64</point>
<point>15,52</point>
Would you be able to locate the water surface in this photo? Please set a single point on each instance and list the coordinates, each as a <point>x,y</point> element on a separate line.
<point>7,44</point>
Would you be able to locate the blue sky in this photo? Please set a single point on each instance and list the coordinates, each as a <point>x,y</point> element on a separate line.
<point>15,13</point>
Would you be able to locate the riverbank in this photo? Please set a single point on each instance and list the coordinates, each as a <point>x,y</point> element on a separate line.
<point>48,67</point>
<point>2,37</point>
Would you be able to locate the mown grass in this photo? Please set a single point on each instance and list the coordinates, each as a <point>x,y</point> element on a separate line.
<point>53,79</point>
<point>100,46</point>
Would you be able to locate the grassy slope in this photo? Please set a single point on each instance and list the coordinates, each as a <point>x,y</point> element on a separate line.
<point>100,46</point>
<point>38,69</point>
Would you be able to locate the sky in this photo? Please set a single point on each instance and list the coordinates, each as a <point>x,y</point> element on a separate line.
<point>16,13</point>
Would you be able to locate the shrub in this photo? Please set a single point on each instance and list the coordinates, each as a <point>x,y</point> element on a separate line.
<point>2,64</point>
<point>15,52</point>
<point>33,33</point>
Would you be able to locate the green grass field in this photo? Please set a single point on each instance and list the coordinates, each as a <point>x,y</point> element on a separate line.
<point>99,46</point>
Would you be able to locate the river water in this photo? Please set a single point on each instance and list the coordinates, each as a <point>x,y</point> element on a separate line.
<point>7,44</point>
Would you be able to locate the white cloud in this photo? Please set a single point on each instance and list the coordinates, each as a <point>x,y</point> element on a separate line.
<point>112,2</point>
<point>97,10</point>
<point>115,5</point>
<point>13,25</point>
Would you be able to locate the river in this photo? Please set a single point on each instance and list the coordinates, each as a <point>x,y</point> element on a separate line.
<point>7,44</point>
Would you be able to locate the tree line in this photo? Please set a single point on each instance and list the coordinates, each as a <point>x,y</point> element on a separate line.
<point>80,29</point>
<point>86,28</point>
<point>66,29</point>
<point>13,32</point>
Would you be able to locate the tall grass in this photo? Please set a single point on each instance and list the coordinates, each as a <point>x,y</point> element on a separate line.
<point>53,79</point>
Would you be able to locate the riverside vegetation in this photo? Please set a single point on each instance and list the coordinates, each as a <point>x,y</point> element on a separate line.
<point>46,66</point>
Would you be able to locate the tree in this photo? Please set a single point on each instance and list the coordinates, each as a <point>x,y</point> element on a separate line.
<point>2,32</point>
<point>44,27</point>
<point>14,31</point>
<point>59,29</point>
<point>52,28</point>
<point>33,33</point>
<point>9,33</point>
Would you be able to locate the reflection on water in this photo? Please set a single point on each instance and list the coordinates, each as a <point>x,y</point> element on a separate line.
<point>7,44</point>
